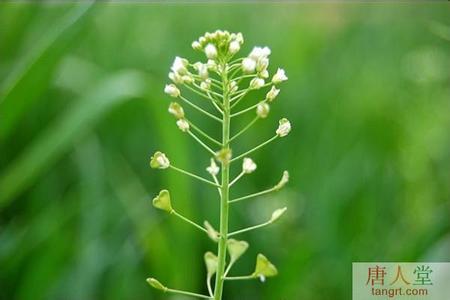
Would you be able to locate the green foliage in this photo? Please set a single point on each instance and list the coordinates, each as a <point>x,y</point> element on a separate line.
<point>368,93</point>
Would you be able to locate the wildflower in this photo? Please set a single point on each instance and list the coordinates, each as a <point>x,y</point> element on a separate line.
<point>277,214</point>
<point>176,78</point>
<point>262,110</point>
<point>176,110</point>
<point>279,76</point>
<point>206,84</point>
<point>259,53</point>
<point>172,90</point>
<point>187,78</point>
<point>159,161</point>
<point>202,69</point>
<point>234,47</point>
<point>248,65</point>
<point>212,65</point>
<point>224,155</point>
<point>256,83</point>
<point>211,262</point>
<point>233,87</point>
<point>236,249</point>
<point>263,74</point>
<point>212,233</point>
<point>183,125</point>
<point>211,51</point>
<point>284,179</point>
<point>284,127</point>
<point>248,165</point>
<point>272,94</point>
<point>213,168</point>
<point>264,268</point>
<point>179,66</point>
<point>162,201</point>
<point>262,64</point>
<point>196,45</point>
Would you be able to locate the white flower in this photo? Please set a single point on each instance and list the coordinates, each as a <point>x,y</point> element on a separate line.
<point>239,38</point>
<point>187,78</point>
<point>234,47</point>
<point>284,127</point>
<point>202,69</point>
<point>272,94</point>
<point>205,85</point>
<point>279,76</point>
<point>179,65</point>
<point>196,45</point>
<point>262,64</point>
<point>211,64</point>
<point>211,51</point>
<point>248,165</point>
<point>172,90</point>
<point>176,78</point>
<point>248,65</point>
<point>259,53</point>
<point>264,74</point>
<point>183,125</point>
<point>176,110</point>
<point>233,87</point>
<point>213,168</point>
<point>159,161</point>
<point>256,83</point>
<point>262,110</point>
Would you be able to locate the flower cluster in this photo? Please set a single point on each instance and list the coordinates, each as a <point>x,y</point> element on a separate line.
<point>224,81</point>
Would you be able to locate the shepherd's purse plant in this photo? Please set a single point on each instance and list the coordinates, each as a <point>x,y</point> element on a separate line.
<point>222,81</point>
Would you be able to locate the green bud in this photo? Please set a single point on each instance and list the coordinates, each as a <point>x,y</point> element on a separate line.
<point>159,161</point>
<point>277,214</point>
<point>224,155</point>
<point>284,179</point>
<point>211,262</point>
<point>264,268</point>
<point>212,233</point>
<point>236,249</point>
<point>162,201</point>
<point>156,284</point>
<point>176,110</point>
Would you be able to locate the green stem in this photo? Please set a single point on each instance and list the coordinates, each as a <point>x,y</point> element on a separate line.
<point>222,247</point>
<point>245,128</point>
<point>194,176</point>
<point>240,277</point>
<point>250,228</point>
<point>200,109</point>
<point>201,143</point>
<point>254,149</point>
<point>186,293</point>
<point>189,221</point>
<point>253,195</point>
<point>204,134</point>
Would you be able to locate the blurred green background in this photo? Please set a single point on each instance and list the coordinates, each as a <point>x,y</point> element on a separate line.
<point>82,108</point>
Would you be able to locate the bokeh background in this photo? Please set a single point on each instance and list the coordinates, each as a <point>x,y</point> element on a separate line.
<point>82,108</point>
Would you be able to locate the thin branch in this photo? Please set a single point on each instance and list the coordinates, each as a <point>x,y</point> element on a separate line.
<point>245,128</point>
<point>201,143</point>
<point>253,195</point>
<point>244,110</point>
<point>189,221</point>
<point>200,109</point>
<point>254,149</point>
<point>250,228</point>
<point>187,293</point>
<point>236,179</point>
<point>194,176</point>
<point>247,277</point>
<point>212,92</point>
<point>204,134</point>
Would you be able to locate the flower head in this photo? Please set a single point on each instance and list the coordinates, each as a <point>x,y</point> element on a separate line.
<point>256,83</point>
<point>162,201</point>
<point>284,127</point>
<point>213,168</point>
<point>272,94</point>
<point>206,84</point>
<point>262,110</point>
<point>279,76</point>
<point>248,165</point>
<point>248,65</point>
<point>234,47</point>
<point>211,51</point>
<point>183,125</point>
<point>159,161</point>
<point>176,110</point>
<point>172,90</point>
<point>259,53</point>
<point>179,66</point>
<point>202,69</point>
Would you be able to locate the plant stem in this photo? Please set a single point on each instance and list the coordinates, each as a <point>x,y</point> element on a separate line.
<point>253,195</point>
<point>222,247</point>
<point>194,176</point>
<point>240,277</point>
<point>187,293</point>
<point>254,149</point>
<point>250,228</point>
<point>189,221</point>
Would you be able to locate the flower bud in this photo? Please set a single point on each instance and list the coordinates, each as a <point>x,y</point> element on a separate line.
<point>206,84</point>
<point>211,51</point>
<point>156,284</point>
<point>187,78</point>
<point>277,214</point>
<point>172,90</point>
<point>178,79</point>
<point>256,83</point>
<point>248,65</point>
<point>176,110</point>
<point>196,45</point>
<point>236,249</point>
<point>248,165</point>
<point>212,233</point>
<point>212,65</point>
<point>213,168</point>
<point>179,65</point>
<point>284,127</point>
<point>211,262</point>
<point>259,53</point>
<point>159,161</point>
<point>264,268</point>
<point>202,69</point>
<point>233,87</point>
<point>240,38</point>
<point>262,110</point>
<point>272,94</point>
<point>183,125</point>
<point>162,201</point>
<point>284,179</point>
<point>234,47</point>
<point>263,74</point>
<point>224,155</point>
<point>262,64</point>
<point>279,76</point>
